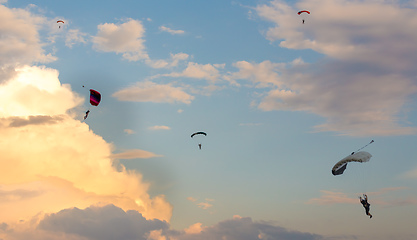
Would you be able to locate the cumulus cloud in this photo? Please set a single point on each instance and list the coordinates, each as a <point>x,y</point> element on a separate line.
<point>134,153</point>
<point>367,75</point>
<point>52,161</point>
<point>208,72</point>
<point>20,42</point>
<point>167,63</point>
<point>152,92</point>
<point>126,38</point>
<point>101,223</point>
<point>171,31</point>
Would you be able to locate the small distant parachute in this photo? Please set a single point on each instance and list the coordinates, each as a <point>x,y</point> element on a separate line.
<point>95,97</point>
<point>60,23</point>
<point>197,133</point>
<point>303,11</point>
<point>360,157</point>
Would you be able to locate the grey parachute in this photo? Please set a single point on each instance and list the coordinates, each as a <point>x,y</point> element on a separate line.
<point>360,157</point>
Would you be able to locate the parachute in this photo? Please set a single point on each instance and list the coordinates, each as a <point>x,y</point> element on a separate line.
<point>95,97</point>
<point>197,133</point>
<point>360,157</point>
<point>60,23</point>
<point>303,11</point>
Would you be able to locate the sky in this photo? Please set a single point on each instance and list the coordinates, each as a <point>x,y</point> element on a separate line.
<point>281,102</point>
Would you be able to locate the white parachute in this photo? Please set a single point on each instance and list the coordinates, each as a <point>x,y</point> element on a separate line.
<point>360,157</point>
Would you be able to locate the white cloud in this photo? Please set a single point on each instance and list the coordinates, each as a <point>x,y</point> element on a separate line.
<point>171,62</point>
<point>158,127</point>
<point>153,92</point>
<point>126,38</point>
<point>208,72</point>
<point>74,36</point>
<point>20,42</point>
<point>366,78</point>
<point>129,131</point>
<point>171,31</point>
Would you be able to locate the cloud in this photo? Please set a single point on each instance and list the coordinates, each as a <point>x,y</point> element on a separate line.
<point>74,36</point>
<point>126,38</point>
<point>204,205</point>
<point>159,128</point>
<point>129,131</point>
<point>171,31</point>
<point>329,198</point>
<point>152,92</point>
<point>20,42</point>
<point>47,155</point>
<point>133,154</point>
<point>101,223</point>
<point>366,77</point>
<point>383,197</point>
<point>111,222</point>
<point>208,72</point>
<point>171,62</point>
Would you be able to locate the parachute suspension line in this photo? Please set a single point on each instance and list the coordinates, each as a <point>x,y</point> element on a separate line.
<point>364,146</point>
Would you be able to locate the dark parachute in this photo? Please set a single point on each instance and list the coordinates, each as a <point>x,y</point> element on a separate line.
<point>95,98</point>
<point>360,157</point>
<point>197,133</point>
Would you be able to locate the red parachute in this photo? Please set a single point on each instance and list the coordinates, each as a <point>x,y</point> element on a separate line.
<point>60,22</point>
<point>303,11</point>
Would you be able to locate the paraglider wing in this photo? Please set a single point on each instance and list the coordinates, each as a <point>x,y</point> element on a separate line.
<point>59,21</point>
<point>340,166</point>
<point>303,11</point>
<point>95,97</point>
<point>197,133</point>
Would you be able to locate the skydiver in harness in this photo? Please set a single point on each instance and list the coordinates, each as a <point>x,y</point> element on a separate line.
<point>86,114</point>
<point>199,145</point>
<point>365,204</point>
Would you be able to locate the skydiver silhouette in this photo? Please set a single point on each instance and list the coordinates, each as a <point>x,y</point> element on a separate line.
<point>86,114</point>
<point>303,21</point>
<point>365,204</point>
<point>199,145</point>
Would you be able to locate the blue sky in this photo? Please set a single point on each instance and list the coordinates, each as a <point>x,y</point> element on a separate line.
<point>281,102</point>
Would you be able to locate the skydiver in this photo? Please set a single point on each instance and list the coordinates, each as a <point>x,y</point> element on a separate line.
<point>303,21</point>
<point>199,145</point>
<point>365,204</point>
<point>86,114</point>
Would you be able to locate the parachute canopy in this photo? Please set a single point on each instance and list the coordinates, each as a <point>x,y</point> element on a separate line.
<point>198,133</point>
<point>340,166</point>
<point>59,21</point>
<point>95,97</point>
<point>303,11</point>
